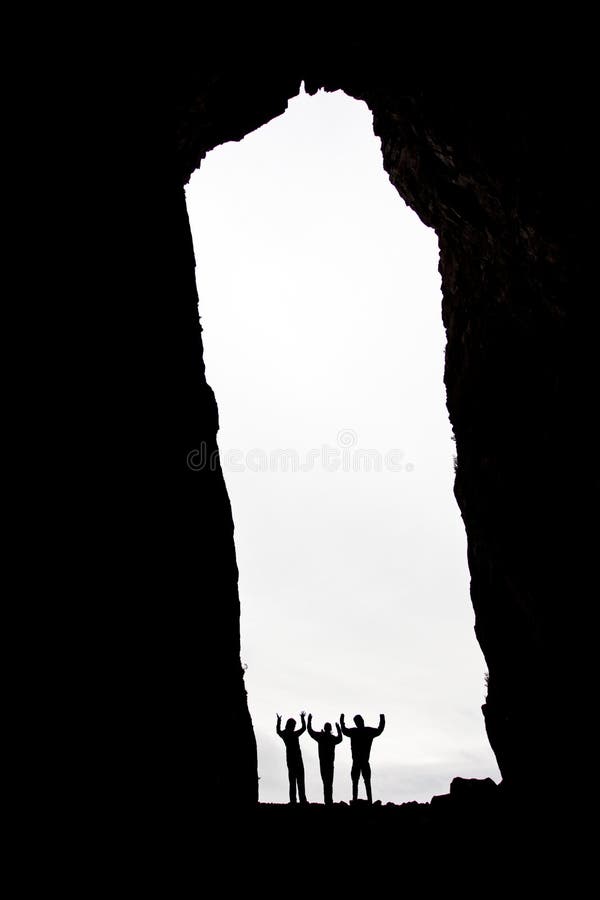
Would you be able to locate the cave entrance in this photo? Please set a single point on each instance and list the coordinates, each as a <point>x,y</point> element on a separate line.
<point>320,305</point>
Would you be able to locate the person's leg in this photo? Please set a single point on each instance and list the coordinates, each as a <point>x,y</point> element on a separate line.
<point>323,771</point>
<point>366,770</point>
<point>355,775</point>
<point>300,777</point>
<point>292,778</point>
<point>327,776</point>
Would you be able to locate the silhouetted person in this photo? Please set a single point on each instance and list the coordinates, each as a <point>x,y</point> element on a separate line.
<point>361,739</point>
<point>326,741</point>
<point>293,755</point>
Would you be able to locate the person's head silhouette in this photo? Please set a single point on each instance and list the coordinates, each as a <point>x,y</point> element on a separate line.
<point>327,726</point>
<point>290,724</point>
<point>359,721</point>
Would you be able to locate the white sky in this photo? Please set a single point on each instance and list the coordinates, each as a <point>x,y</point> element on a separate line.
<point>320,303</point>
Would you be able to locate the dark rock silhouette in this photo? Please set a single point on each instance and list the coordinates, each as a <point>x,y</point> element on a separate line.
<point>494,154</point>
<point>512,211</point>
<point>449,837</point>
<point>361,739</point>
<point>327,743</point>
<point>469,798</point>
<point>293,755</point>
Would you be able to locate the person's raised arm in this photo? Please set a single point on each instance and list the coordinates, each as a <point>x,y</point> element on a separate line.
<point>345,730</point>
<point>339,738</point>
<point>312,733</point>
<point>303,720</point>
<point>381,724</point>
<point>278,724</point>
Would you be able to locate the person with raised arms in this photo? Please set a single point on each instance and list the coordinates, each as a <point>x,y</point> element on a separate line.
<point>293,755</point>
<point>327,743</point>
<point>361,739</point>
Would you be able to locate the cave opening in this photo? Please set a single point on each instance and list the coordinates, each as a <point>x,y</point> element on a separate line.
<point>320,305</point>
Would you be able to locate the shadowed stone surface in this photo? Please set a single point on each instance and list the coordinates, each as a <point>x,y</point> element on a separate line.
<point>484,165</point>
<point>503,170</point>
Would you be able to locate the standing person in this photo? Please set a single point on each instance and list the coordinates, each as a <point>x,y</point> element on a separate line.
<point>293,755</point>
<point>327,742</point>
<point>361,739</point>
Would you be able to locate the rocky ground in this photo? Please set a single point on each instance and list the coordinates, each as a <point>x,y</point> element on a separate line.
<point>473,837</point>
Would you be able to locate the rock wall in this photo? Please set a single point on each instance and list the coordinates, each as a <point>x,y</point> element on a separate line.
<point>145,571</point>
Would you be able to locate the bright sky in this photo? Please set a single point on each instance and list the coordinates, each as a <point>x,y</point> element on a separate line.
<point>320,304</point>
